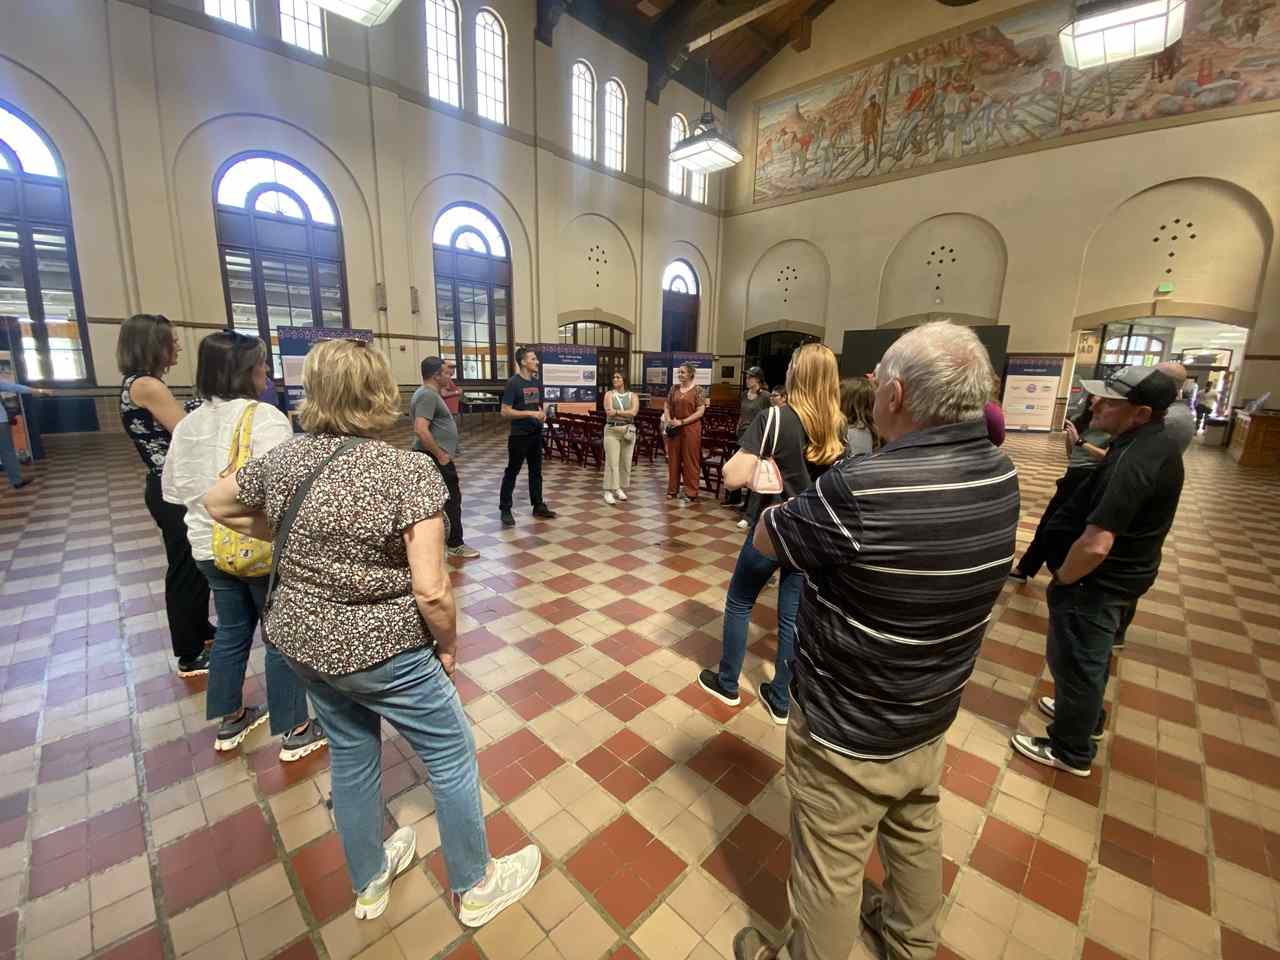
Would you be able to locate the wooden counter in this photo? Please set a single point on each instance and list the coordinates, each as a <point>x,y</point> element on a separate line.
<point>1255,439</point>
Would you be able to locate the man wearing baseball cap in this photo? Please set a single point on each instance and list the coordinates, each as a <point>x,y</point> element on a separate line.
<point>1107,541</point>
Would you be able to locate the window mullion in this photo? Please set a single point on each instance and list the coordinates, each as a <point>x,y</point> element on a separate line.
<point>35,297</point>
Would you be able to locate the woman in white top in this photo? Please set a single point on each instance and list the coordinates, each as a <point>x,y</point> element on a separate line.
<point>231,372</point>
<point>621,406</point>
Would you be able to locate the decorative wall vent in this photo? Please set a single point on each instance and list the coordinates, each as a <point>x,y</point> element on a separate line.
<point>940,256</point>
<point>597,257</point>
<point>787,276</point>
<point>1171,233</point>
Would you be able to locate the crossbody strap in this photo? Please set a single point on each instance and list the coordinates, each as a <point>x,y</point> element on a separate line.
<point>291,514</point>
<point>771,420</point>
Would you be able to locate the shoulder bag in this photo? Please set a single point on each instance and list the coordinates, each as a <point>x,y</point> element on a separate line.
<point>291,514</point>
<point>235,553</point>
<point>766,478</point>
<point>629,431</point>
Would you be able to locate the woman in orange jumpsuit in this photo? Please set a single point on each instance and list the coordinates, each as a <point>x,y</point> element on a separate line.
<point>686,403</point>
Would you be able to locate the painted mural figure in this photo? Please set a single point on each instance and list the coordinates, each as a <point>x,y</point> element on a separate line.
<point>1003,86</point>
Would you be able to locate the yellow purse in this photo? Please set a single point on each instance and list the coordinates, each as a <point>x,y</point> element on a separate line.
<point>235,553</point>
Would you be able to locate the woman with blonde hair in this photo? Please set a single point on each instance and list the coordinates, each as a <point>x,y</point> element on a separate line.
<point>804,437</point>
<point>857,400</point>
<point>682,424</point>
<point>363,611</point>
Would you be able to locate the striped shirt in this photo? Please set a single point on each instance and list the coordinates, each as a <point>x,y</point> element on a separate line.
<point>904,552</point>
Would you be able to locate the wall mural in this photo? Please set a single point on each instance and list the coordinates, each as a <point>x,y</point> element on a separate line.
<point>1005,85</point>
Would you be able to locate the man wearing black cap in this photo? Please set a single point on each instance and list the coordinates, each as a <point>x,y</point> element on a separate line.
<point>437,436</point>
<point>1112,530</point>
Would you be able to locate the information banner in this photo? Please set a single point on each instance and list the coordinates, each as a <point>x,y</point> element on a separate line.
<point>703,364</point>
<point>568,373</point>
<point>293,345</point>
<point>1031,392</point>
<point>657,373</point>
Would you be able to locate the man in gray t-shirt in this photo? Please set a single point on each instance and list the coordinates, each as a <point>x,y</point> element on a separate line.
<point>436,434</point>
<point>1179,421</point>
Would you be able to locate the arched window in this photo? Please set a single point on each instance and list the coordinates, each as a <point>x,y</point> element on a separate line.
<point>491,67</point>
<point>1133,350</point>
<point>615,125</point>
<point>239,12</point>
<point>698,181</point>
<point>280,245</point>
<point>680,278</point>
<point>680,304</point>
<point>584,110</point>
<point>675,172</point>
<point>473,293</point>
<point>444,79</point>
<point>39,279</point>
<point>302,24</point>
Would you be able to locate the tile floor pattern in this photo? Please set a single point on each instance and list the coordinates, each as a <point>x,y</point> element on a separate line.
<point>662,814</point>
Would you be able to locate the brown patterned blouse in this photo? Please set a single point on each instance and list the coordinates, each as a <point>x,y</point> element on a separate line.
<point>344,599</point>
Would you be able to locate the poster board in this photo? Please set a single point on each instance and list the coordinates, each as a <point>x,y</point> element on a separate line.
<point>294,345</point>
<point>656,369</point>
<point>1031,392</point>
<point>568,374</point>
<point>703,364</point>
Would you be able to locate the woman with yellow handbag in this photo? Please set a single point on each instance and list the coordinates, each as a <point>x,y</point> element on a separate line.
<point>224,433</point>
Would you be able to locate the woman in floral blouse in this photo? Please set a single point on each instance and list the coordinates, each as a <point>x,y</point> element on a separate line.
<point>364,612</point>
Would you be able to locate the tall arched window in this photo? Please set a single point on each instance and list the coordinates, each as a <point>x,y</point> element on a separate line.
<point>280,244</point>
<point>615,125</point>
<point>675,172</point>
<point>444,79</point>
<point>39,280</point>
<point>679,306</point>
<point>583,108</point>
<point>491,67</point>
<point>473,293</point>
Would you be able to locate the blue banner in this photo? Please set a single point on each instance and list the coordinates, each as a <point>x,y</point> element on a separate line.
<point>568,373</point>
<point>293,344</point>
<point>703,364</point>
<point>657,374</point>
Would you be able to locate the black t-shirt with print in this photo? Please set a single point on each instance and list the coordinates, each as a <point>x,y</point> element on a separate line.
<point>798,474</point>
<point>522,394</point>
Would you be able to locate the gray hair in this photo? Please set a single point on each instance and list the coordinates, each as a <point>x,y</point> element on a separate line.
<point>944,370</point>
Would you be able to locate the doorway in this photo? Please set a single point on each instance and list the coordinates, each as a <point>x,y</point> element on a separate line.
<point>613,349</point>
<point>771,352</point>
<point>680,302</point>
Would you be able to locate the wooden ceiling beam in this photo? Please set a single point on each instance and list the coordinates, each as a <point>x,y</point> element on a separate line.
<point>798,36</point>
<point>720,19</point>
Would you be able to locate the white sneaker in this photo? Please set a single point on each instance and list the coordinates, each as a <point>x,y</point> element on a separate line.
<point>743,524</point>
<point>400,848</point>
<point>608,498</point>
<point>513,876</point>
<point>620,494</point>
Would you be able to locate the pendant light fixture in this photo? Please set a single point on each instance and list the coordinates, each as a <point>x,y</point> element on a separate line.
<point>709,149</point>
<point>1107,32</point>
<point>367,13</point>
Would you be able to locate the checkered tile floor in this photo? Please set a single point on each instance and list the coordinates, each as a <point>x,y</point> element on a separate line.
<point>662,815</point>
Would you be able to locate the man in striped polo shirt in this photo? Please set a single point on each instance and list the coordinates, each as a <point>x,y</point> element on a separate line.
<point>904,553</point>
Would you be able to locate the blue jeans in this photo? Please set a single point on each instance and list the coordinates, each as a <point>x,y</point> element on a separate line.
<point>239,605</point>
<point>750,575</point>
<point>1084,622</point>
<point>411,692</point>
<point>9,454</point>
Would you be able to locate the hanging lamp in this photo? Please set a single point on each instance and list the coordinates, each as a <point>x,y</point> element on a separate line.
<point>1108,32</point>
<point>709,149</point>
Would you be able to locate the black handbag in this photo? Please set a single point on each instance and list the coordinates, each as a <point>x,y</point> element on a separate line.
<point>670,430</point>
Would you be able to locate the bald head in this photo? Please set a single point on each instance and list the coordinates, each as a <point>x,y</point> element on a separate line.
<point>1175,371</point>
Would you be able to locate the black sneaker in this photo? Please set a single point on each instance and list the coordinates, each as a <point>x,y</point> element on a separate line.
<point>295,746</point>
<point>1017,576</point>
<point>232,733</point>
<point>21,483</point>
<point>1046,705</point>
<point>507,519</point>
<point>543,511</point>
<point>1118,644</point>
<point>709,681</point>
<point>196,666</point>
<point>765,690</point>
<point>1039,750</point>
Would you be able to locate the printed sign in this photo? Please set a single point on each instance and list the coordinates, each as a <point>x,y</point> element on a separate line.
<point>295,343</point>
<point>1031,392</point>
<point>702,364</point>
<point>657,372</point>
<point>568,373</point>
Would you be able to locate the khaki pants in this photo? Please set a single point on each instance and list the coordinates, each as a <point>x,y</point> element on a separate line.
<point>617,458</point>
<point>837,805</point>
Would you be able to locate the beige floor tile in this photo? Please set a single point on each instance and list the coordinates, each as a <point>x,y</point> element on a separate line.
<point>178,823</point>
<point>1051,936</point>
<point>1190,927</point>
<point>552,899</point>
<point>716,808</point>
<point>700,901</point>
<point>1232,880</point>
<point>1023,815</point>
<point>964,814</point>
<point>226,802</point>
<point>690,837</point>
<point>567,784</point>
<point>721,934</point>
<point>165,801</point>
<point>411,893</point>
<point>219,778</point>
<point>972,936</point>
<point>1120,931</point>
<point>595,808</point>
<point>1025,789</point>
<point>1259,925</point>
<point>560,834</point>
<point>296,799</point>
<point>654,809</point>
<point>665,936</point>
<point>13,859</point>
<point>264,889</point>
<point>345,936</point>
<point>535,807</point>
<point>583,935</point>
<point>428,931</point>
<point>305,827</point>
<point>123,917</point>
<point>272,929</point>
<point>412,805</point>
<point>388,948</point>
<point>201,923</point>
<point>987,899</point>
<point>1124,894</point>
<point>511,935</point>
<point>56,910</point>
<point>71,942</point>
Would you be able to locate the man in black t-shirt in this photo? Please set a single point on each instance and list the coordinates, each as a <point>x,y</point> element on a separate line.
<point>522,405</point>
<point>1105,549</point>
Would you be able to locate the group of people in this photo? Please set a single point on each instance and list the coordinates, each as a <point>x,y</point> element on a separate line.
<point>885,509</point>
